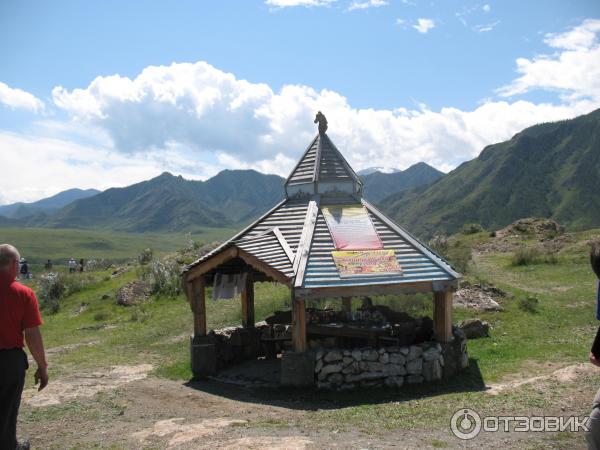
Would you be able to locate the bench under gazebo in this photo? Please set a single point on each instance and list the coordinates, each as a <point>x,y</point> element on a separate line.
<point>324,240</point>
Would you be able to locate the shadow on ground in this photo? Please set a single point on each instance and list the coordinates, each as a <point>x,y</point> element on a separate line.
<point>311,399</point>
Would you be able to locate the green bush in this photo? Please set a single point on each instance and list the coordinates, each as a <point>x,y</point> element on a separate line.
<point>526,256</point>
<point>166,278</point>
<point>471,228</point>
<point>529,304</point>
<point>54,286</point>
<point>457,253</point>
<point>145,257</point>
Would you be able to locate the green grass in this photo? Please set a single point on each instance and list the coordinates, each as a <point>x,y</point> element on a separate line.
<point>521,343</point>
<point>40,244</point>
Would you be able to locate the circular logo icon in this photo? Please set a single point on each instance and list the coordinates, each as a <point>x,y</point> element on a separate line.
<point>465,424</point>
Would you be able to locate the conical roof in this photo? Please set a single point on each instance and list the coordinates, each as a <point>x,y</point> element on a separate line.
<point>323,170</point>
<point>293,243</point>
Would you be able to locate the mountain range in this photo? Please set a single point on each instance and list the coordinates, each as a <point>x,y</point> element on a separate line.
<point>46,205</point>
<point>550,170</point>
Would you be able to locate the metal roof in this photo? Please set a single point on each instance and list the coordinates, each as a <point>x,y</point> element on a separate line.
<point>322,161</point>
<point>293,238</point>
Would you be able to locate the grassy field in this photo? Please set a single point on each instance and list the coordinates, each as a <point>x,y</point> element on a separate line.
<point>523,344</point>
<point>40,244</point>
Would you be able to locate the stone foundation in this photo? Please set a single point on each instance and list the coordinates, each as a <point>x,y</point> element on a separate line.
<point>390,366</point>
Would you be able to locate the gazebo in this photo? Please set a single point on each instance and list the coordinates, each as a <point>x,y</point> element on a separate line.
<point>322,240</point>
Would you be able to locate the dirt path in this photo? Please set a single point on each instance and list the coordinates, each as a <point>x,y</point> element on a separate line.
<point>122,407</point>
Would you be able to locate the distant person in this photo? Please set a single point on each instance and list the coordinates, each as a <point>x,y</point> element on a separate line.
<point>19,323</point>
<point>81,264</point>
<point>24,268</point>
<point>48,265</point>
<point>72,265</point>
<point>593,435</point>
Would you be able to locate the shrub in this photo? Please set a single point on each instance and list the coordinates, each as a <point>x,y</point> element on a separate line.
<point>439,244</point>
<point>166,278</point>
<point>145,257</point>
<point>54,286</point>
<point>457,253</point>
<point>526,256</point>
<point>471,228</point>
<point>529,304</point>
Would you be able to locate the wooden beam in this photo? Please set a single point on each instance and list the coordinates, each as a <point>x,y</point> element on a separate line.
<point>199,306</point>
<point>305,242</point>
<point>298,324</point>
<point>261,266</point>
<point>347,304</point>
<point>211,263</point>
<point>442,315</point>
<point>374,289</point>
<point>248,302</point>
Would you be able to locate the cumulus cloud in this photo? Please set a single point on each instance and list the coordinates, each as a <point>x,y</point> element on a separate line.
<point>194,120</point>
<point>293,3</point>
<point>573,69</point>
<point>19,99</point>
<point>424,25</point>
<point>366,4</point>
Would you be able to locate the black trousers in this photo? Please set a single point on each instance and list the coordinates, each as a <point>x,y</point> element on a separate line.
<point>13,364</point>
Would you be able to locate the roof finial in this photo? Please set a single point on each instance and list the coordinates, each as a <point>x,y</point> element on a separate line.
<point>320,117</point>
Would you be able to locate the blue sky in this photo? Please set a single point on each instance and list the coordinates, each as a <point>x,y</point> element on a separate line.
<point>400,81</point>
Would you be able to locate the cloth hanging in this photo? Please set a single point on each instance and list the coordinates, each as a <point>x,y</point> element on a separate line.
<point>227,286</point>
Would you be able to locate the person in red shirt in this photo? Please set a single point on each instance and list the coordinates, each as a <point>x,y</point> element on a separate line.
<point>20,320</point>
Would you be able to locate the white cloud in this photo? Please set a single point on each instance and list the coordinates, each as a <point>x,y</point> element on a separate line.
<point>194,120</point>
<point>19,99</point>
<point>486,8</point>
<point>486,27</point>
<point>424,25</point>
<point>293,3</point>
<point>573,69</point>
<point>366,4</point>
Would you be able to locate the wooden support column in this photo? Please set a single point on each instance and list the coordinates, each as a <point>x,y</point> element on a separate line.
<point>347,304</point>
<point>298,324</point>
<point>199,306</point>
<point>442,315</point>
<point>248,302</point>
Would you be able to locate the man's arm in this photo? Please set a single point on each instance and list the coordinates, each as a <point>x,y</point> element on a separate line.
<point>35,343</point>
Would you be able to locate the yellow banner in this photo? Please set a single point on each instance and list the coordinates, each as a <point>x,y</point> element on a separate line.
<point>365,263</point>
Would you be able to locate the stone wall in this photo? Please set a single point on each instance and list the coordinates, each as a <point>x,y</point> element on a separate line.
<point>389,366</point>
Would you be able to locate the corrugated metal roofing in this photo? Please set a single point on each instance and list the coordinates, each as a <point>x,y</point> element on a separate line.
<point>416,266</point>
<point>287,217</point>
<point>322,161</point>
<point>304,172</point>
<point>275,238</point>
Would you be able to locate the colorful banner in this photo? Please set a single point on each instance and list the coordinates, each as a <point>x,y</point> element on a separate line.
<point>366,263</point>
<point>351,228</point>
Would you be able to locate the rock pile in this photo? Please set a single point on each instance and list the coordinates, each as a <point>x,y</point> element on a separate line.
<point>478,296</point>
<point>370,367</point>
<point>133,293</point>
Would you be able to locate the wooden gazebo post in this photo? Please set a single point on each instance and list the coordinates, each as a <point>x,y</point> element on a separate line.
<point>198,305</point>
<point>442,315</point>
<point>248,302</point>
<point>298,366</point>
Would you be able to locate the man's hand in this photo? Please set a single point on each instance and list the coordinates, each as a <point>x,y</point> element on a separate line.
<point>41,376</point>
<point>594,360</point>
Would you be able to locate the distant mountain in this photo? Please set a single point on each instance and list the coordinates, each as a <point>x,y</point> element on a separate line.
<point>378,185</point>
<point>46,205</point>
<point>550,170</point>
<point>171,203</point>
<point>370,170</point>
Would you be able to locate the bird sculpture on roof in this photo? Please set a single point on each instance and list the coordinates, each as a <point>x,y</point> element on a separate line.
<point>320,118</point>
